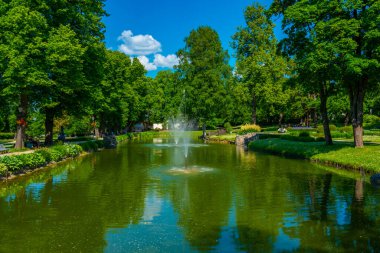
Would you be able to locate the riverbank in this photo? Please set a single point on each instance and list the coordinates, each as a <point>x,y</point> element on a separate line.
<point>340,155</point>
<point>13,165</point>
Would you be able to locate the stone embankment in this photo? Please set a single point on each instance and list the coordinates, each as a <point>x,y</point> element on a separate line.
<point>243,140</point>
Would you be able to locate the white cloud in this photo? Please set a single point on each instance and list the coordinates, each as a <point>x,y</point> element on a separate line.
<point>149,66</point>
<point>139,44</point>
<point>165,61</point>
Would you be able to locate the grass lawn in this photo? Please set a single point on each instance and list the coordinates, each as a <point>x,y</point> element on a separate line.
<point>224,137</point>
<point>341,154</point>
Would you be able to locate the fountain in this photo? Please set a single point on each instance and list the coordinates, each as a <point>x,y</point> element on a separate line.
<point>181,143</point>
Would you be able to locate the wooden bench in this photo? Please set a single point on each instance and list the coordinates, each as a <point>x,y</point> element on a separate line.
<point>3,149</point>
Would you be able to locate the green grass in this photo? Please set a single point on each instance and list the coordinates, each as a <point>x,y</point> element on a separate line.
<point>340,154</point>
<point>224,137</point>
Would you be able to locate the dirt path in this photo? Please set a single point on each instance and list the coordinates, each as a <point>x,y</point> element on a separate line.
<point>18,153</point>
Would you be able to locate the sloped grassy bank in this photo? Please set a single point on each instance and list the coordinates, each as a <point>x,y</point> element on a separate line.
<point>340,155</point>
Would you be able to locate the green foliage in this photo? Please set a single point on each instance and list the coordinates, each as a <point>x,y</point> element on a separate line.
<point>6,136</point>
<point>204,73</point>
<point>40,157</point>
<point>332,128</point>
<point>249,128</point>
<point>3,169</point>
<point>92,146</point>
<point>371,121</point>
<point>13,163</point>
<point>260,69</point>
<point>228,127</point>
<point>304,134</point>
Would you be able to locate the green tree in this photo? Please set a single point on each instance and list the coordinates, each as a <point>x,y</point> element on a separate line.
<point>21,57</point>
<point>204,71</point>
<point>345,39</point>
<point>261,68</point>
<point>111,104</point>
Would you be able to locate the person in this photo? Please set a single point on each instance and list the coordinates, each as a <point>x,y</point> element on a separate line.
<point>61,136</point>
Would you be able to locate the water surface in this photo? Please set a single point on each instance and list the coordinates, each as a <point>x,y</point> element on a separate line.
<point>129,200</point>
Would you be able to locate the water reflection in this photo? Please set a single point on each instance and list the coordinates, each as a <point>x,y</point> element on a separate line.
<point>125,201</point>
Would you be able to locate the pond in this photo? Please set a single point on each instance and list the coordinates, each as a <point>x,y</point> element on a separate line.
<point>146,197</point>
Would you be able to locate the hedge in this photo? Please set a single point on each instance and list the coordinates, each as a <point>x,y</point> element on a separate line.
<point>39,158</point>
<point>6,136</point>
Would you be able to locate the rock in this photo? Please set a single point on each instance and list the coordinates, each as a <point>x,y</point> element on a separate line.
<point>243,140</point>
<point>110,141</point>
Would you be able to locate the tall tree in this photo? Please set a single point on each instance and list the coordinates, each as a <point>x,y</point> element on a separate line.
<point>261,68</point>
<point>345,37</point>
<point>21,57</point>
<point>204,71</point>
<point>83,71</point>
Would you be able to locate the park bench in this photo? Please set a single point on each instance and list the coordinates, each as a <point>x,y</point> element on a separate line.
<point>3,149</point>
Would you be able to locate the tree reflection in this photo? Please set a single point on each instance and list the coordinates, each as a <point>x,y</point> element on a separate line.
<point>74,215</point>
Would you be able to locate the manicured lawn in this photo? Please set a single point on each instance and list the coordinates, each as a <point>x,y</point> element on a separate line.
<point>224,137</point>
<point>341,154</point>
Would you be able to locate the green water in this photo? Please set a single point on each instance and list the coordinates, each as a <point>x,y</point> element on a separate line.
<point>137,199</point>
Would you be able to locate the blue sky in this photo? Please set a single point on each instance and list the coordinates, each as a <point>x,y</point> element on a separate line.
<point>160,26</point>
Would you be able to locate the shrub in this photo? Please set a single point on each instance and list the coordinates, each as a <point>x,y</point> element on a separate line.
<point>371,121</point>
<point>40,157</point>
<point>3,169</point>
<point>228,127</point>
<point>304,134</point>
<point>338,134</point>
<point>32,161</point>
<point>46,154</point>
<point>319,139</point>
<point>345,129</point>
<point>7,136</point>
<point>13,163</point>
<point>320,128</point>
<point>249,128</point>
<point>297,138</point>
<point>92,145</point>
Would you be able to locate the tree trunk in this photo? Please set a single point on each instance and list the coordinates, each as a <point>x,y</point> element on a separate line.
<point>325,117</point>
<point>254,108</point>
<point>96,128</point>
<point>204,131</point>
<point>280,120</point>
<point>21,121</point>
<point>315,118</point>
<point>49,124</point>
<point>357,104</point>
<point>347,119</point>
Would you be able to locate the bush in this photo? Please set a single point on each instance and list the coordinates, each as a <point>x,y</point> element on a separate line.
<point>92,146</point>
<point>5,136</point>
<point>228,127</point>
<point>13,163</point>
<point>345,129</point>
<point>40,157</point>
<point>304,134</point>
<point>3,169</point>
<point>249,128</point>
<point>320,128</point>
<point>338,134</point>
<point>32,161</point>
<point>297,138</point>
<point>371,121</point>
